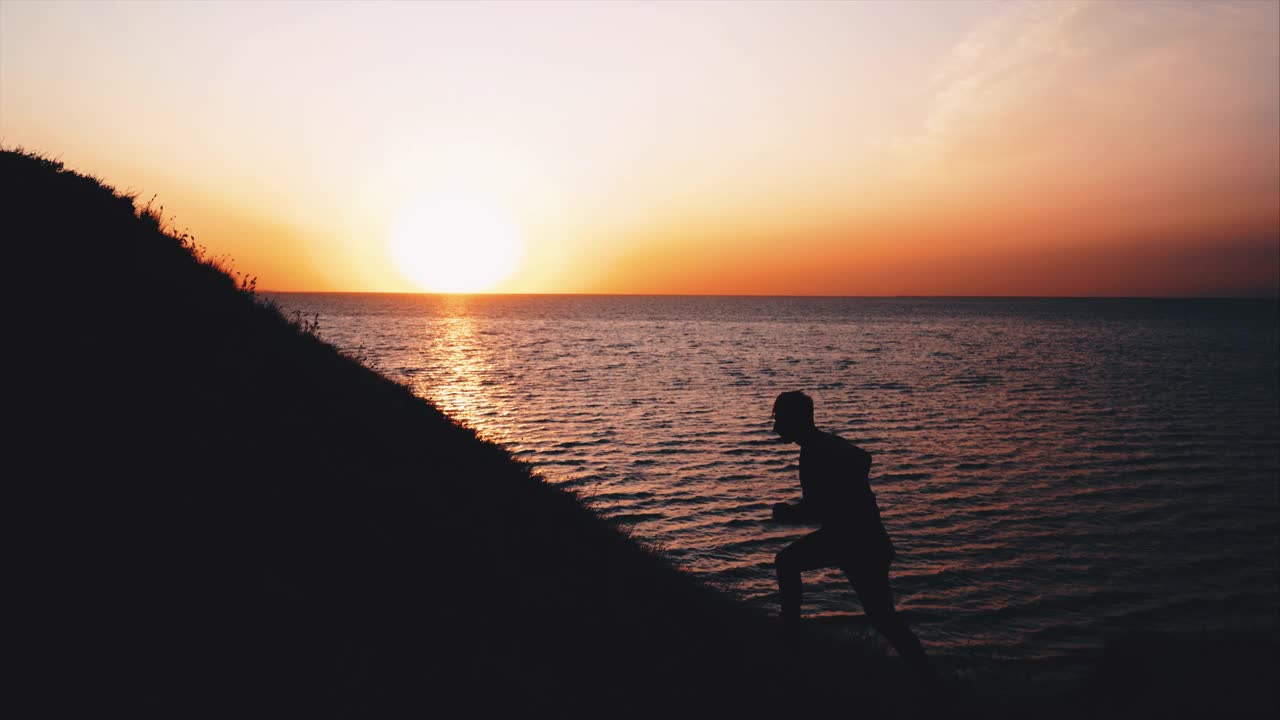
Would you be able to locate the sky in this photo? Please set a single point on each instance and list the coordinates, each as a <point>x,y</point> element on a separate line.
<point>1044,149</point>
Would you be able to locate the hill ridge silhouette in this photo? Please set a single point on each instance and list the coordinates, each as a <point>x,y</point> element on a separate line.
<point>222,511</point>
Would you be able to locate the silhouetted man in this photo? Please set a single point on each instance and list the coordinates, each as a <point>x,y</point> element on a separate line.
<point>836,494</point>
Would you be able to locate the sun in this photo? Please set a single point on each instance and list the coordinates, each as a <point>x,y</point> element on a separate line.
<point>455,243</point>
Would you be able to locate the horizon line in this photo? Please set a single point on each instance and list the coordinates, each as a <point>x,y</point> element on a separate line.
<point>778,296</point>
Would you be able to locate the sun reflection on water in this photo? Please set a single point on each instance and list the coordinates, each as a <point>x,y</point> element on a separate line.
<point>464,387</point>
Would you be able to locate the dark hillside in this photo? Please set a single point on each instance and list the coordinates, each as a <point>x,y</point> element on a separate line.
<point>218,513</point>
<point>212,513</point>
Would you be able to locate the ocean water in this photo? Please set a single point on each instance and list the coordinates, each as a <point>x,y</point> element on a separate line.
<point>1053,472</point>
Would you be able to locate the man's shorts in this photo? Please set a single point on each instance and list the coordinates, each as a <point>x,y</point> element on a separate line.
<point>857,555</point>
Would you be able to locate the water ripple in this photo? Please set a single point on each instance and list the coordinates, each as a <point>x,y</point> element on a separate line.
<point>1049,470</point>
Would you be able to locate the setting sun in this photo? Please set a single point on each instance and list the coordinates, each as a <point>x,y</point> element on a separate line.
<point>455,243</point>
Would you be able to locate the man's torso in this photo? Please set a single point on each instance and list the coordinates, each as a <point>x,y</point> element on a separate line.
<point>834,481</point>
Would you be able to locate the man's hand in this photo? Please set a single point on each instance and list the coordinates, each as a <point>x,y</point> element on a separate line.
<point>787,513</point>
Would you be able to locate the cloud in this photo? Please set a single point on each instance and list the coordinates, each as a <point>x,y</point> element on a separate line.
<point>1155,82</point>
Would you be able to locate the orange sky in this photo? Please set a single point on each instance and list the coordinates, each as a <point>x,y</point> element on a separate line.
<point>743,148</point>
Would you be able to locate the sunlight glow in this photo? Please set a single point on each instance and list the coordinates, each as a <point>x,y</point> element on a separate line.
<point>455,243</point>
<point>1114,149</point>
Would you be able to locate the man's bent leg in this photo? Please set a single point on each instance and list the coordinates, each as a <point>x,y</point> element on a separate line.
<point>808,553</point>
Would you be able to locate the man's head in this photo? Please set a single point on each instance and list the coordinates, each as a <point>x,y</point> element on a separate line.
<point>793,415</point>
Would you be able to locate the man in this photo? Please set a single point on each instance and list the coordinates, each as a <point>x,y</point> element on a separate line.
<point>836,495</point>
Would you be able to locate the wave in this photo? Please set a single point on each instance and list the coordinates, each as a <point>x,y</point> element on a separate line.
<point>1025,451</point>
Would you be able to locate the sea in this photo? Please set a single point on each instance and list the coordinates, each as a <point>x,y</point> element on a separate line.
<point>1055,473</point>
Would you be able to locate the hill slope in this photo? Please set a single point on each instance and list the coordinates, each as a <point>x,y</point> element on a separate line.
<point>221,513</point>
<point>213,513</point>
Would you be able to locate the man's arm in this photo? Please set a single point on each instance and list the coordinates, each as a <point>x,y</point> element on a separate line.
<point>861,463</point>
<point>793,513</point>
